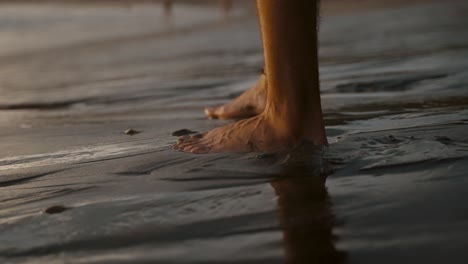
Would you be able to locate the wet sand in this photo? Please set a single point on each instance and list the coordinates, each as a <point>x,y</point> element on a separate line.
<point>74,188</point>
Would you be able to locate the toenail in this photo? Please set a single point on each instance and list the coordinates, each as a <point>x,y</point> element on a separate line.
<point>202,150</point>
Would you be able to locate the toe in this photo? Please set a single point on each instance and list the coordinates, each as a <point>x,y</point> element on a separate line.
<point>214,112</point>
<point>180,146</point>
<point>184,146</point>
<point>200,150</point>
<point>187,149</point>
<point>176,146</point>
<point>183,139</point>
<point>211,112</point>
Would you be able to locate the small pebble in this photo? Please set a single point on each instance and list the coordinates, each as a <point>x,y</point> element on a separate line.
<point>443,138</point>
<point>57,209</point>
<point>131,132</point>
<point>393,139</point>
<point>183,132</point>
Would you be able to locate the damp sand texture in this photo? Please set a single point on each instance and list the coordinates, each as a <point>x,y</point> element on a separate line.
<point>76,188</point>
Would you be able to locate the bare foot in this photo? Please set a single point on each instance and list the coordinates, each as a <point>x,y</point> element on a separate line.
<point>248,104</point>
<point>256,134</point>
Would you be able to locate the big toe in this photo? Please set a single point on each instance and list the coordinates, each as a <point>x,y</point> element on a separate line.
<point>214,112</point>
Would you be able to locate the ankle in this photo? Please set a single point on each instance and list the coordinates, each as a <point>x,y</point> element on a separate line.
<point>262,83</point>
<point>287,128</point>
<point>297,127</point>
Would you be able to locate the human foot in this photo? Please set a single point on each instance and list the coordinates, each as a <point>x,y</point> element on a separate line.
<point>256,134</point>
<point>248,104</point>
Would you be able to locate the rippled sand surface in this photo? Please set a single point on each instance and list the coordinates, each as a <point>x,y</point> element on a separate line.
<point>390,188</point>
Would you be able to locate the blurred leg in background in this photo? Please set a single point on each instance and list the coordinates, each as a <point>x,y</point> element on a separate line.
<point>226,6</point>
<point>167,9</point>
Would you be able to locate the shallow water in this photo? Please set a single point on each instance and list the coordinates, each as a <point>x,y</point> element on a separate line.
<point>389,188</point>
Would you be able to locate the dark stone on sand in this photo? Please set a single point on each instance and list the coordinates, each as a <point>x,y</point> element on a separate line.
<point>57,209</point>
<point>183,132</point>
<point>131,132</point>
<point>442,138</point>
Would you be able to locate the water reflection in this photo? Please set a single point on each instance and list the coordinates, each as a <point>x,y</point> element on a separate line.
<point>306,218</point>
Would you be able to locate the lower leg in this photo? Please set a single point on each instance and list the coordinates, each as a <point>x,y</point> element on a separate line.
<point>289,33</point>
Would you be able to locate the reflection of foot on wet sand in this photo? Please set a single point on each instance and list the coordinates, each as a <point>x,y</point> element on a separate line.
<point>306,218</point>
<point>249,104</point>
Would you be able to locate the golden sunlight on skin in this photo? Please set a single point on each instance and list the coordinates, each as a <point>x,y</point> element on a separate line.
<point>293,111</point>
<point>249,104</point>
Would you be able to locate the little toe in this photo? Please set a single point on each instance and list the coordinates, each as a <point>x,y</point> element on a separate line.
<point>183,139</point>
<point>176,146</point>
<point>214,112</point>
<point>210,112</point>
